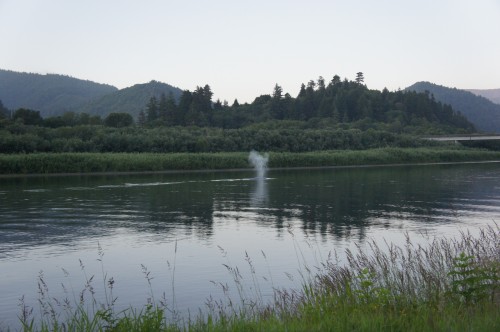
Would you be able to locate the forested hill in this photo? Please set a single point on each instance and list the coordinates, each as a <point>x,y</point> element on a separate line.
<point>333,104</point>
<point>483,113</point>
<point>325,115</point>
<point>50,94</point>
<point>491,94</point>
<point>129,100</point>
<point>337,103</point>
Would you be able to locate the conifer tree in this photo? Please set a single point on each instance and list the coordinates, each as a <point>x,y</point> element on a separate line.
<point>152,110</point>
<point>360,78</point>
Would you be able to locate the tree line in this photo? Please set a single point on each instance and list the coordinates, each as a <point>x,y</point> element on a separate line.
<point>342,102</point>
<point>28,117</point>
<point>340,114</point>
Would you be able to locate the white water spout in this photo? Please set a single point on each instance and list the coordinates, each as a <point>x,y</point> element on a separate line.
<point>259,162</point>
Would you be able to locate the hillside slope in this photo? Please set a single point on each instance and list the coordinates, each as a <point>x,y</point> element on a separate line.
<point>483,113</point>
<point>50,94</point>
<point>491,94</point>
<point>129,100</point>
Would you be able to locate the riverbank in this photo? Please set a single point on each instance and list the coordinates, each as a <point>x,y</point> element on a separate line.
<point>66,163</point>
<point>448,285</point>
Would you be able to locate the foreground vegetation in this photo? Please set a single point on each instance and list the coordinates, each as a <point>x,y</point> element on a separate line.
<point>46,163</point>
<point>447,285</point>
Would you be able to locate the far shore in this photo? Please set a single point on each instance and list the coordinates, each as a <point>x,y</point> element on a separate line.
<point>112,173</point>
<point>75,164</point>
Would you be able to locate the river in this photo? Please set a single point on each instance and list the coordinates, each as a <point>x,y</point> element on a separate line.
<point>181,234</point>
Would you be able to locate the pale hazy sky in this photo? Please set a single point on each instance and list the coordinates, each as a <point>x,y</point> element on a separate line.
<point>242,48</point>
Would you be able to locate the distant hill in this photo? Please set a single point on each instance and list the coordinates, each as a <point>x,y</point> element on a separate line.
<point>50,94</point>
<point>129,100</point>
<point>483,113</point>
<point>491,94</point>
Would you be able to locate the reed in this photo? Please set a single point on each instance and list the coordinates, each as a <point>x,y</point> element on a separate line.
<point>49,163</point>
<point>450,284</point>
<point>45,163</point>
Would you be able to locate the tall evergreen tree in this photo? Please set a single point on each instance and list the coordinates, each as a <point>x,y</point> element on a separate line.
<point>218,105</point>
<point>321,83</point>
<point>360,78</point>
<point>170,109</point>
<point>163,108</point>
<point>152,110</point>
<point>335,80</point>
<point>302,91</point>
<point>277,92</point>
<point>4,112</point>
<point>183,108</point>
<point>141,120</point>
<point>276,106</point>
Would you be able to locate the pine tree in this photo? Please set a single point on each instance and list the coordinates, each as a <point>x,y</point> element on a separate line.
<point>360,78</point>
<point>163,108</point>
<point>152,110</point>
<point>141,120</point>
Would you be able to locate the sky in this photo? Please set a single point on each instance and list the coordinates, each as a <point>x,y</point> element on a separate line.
<point>243,48</point>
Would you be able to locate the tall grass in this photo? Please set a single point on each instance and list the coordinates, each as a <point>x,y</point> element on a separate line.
<point>447,285</point>
<point>450,284</point>
<point>46,163</point>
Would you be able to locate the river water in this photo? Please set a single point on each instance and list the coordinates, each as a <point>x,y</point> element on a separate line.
<point>186,232</point>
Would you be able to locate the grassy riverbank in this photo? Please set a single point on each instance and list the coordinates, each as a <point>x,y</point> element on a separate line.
<point>447,285</point>
<point>48,163</point>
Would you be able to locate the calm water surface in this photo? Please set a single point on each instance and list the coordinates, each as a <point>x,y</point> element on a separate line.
<point>184,228</point>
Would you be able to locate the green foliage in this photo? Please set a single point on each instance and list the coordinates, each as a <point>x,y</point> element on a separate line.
<point>151,318</point>
<point>117,162</point>
<point>344,102</point>
<point>119,120</point>
<point>71,119</point>
<point>71,162</point>
<point>279,136</point>
<point>340,115</point>
<point>348,103</point>
<point>472,283</point>
<point>27,117</point>
<point>367,292</point>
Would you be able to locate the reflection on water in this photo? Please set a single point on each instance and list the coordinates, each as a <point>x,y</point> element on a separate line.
<point>50,223</point>
<point>259,197</point>
<point>45,211</point>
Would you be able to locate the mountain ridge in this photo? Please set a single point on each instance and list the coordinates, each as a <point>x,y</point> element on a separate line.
<point>491,94</point>
<point>482,112</point>
<point>129,100</point>
<point>54,94</point>
<point>51,94</point>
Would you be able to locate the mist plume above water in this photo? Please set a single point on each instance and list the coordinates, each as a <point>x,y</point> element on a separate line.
<point>259,162</point>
